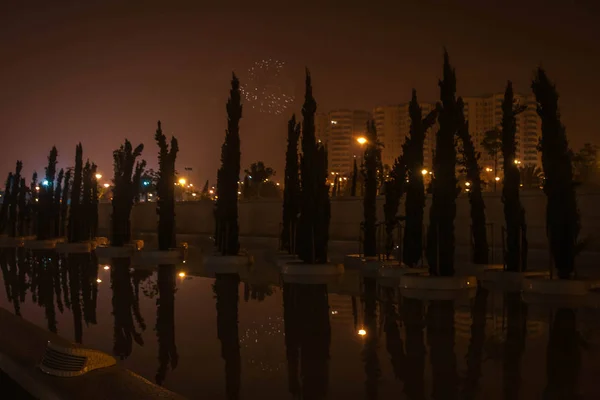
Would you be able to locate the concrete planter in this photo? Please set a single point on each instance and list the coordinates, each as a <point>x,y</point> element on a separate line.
<point>116,252</point>
<point>11,242</point>
<point>75,248</point>
<point>572,293</point>
<point>353,261</point>
<point>477,269</point>
<point>507,280</point>
<point>311,274</point>
<point>399,270</point>
<point>283,258</point>
<point>426,287</point>
<point>219,263</point>
<point>154,257</point>
<point>49,244</point>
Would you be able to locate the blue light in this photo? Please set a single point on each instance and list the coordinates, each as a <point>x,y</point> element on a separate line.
<point>45,182</point>
<point>146,183</point>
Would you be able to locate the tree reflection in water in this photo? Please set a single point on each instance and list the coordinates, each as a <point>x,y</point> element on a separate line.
<point>165,321</point>
<point>370,358</point>
<point>563,356</point>
<point>516,332</point>
<point>125,307</point>
<point>412,315</point>
<point>440,335</point>
<point>258,292</point>
<point>226,291</point>
<point>13,275</point>
<point>393,337</point>
<point>475,352</point>
<point>307,339</point>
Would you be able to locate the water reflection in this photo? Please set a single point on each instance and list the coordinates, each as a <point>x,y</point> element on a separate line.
<point>165,321</point>
<point>516,333</point>
<point>258,292</point>
<point>226,291</point>
<point>563,357</point>
<point>475,352</point>
<point>307,339</point>
<point>440,336</point>
<point>370,358</point>
<point>126,307</point>
<point>393,337</point>
<point>414,322</point>
<point>13,275</point>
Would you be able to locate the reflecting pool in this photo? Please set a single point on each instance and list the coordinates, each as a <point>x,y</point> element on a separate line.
<point>251,335</point>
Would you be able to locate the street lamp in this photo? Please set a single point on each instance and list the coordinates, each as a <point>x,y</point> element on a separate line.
<point>98,176</point>
<point>182,181</point>
<point>497,178</point>
<point>106,185</point>
<point>362,332</point>
<point>361,140</point>
<point>467,183</point>
<point>424,171</point>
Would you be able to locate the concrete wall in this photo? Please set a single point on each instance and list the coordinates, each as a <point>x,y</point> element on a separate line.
<point>262,217</point>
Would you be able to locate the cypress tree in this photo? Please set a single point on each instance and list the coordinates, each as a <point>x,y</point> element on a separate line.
<point>226,212</point>
<point>394,189</point>
<point>562,215</point>
<point>415,188</point>
<point>33,206</point>
<point>371,157</point>
<point>94,204</point>
<point>470,162</point>
<point>75,218</point>
<point>46,217</point>
<point>126,181</point>
<point>56,208</point>
<point>13,201</point>
<point>64,206</point>
<point>291,191</point>
<point>6,203</point>
<point>23,209</point>
<point>86,201</point>
<point>313,224</point>
<point>354,177</point>
<point>440,236</point>
<point>165,207</point>
<point>514,212</point>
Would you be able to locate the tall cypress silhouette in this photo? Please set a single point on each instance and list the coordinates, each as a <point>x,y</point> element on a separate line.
<point>315,212</point>
<point>354,178</point>
<point>13,200</point>
<point>47,211</point>
<point>57,206</point>
<point>372,157</point>
<point>127,180</point>
<point>440,235</point>
<point>394,189</point>
<point>6,204</point>
<point>475,352</point>
<point>516,332</point>
<point>226,213</point>
<point>165,207</point>
<point>514,213</point>
<point>415,187</point>
<point>440,336</point>
<point>562,215</point>
<point>413,319</point>
<point>291,191</point>
<point>470,162</point>
<point>75,218</point>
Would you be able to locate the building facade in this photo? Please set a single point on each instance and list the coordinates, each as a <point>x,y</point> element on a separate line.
<point>339,130</point>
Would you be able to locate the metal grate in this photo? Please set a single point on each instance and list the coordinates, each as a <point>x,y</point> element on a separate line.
<point>73,361</point>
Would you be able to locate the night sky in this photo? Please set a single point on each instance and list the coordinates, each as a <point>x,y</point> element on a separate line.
<point>100,71</point>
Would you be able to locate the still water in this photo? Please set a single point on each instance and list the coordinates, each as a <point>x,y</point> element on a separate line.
<point>254,337</point>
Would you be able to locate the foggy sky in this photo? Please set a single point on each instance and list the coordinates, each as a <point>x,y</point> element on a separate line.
<point>101,72</point>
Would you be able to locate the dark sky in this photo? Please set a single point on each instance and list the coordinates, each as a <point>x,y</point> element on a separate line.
<point>100,71</point>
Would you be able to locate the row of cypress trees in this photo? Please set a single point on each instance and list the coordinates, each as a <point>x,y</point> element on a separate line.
<point>563,223</point>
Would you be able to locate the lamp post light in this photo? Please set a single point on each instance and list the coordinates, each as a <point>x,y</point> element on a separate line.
<point>98,176</point>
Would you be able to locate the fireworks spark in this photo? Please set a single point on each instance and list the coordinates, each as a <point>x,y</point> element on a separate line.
<point>266,88</point>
